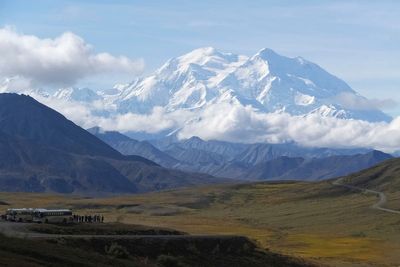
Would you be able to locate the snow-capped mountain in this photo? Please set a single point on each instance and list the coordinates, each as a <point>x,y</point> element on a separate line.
<point>205,80</point>
<point>187,82</point>
<point>266,81</point>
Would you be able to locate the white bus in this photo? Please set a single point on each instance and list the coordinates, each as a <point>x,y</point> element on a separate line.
<point>20,215</point>
<point>52,216</point>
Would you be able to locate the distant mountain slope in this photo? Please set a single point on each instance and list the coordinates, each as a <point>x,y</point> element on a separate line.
<point>382,177</point>
<point>249,161</point>
<point>316,169</point>
<point>225,149</point>
<point>40,151</point>
<point>258,153</point>
<point>129,146</point>
<point>274,168</point>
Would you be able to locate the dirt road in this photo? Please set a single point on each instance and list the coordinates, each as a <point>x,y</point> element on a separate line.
<point>378,205</point>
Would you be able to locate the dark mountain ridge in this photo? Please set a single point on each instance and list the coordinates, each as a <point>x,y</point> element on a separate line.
<point>42,151</point>
<point>22,116</point>
<point>129,146</point>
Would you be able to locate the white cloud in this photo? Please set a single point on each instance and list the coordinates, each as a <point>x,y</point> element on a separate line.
<point>157,121</point>
<point>356,102</point>
<point>79,113</point>
<point>96,114</point>
<point>60,61</point>
<point>14,84</point>
<point>243,124</point>
<point>237,123</point>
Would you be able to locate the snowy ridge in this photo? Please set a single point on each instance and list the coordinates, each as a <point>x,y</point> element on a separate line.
<point>77,94</point>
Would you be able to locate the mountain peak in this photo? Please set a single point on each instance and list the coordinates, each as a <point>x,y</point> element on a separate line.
<point>272,57</point>
<point>207,50</point>
<point>194,139</point>
<point>267,53</point>
<point>209,57</point>
<point>199,55</point>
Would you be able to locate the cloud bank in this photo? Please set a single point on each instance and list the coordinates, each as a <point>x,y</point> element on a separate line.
<point>60,61</point>
<point>357,102</point>
<point>236,123</point>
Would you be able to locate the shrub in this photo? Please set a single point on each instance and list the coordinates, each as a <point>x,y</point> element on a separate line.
<point>193,249</point>
<point>216,249</point>
<point>168,261</point>
<point>116,251</point>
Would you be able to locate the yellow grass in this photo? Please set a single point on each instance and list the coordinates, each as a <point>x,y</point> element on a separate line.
<point>314,221</point>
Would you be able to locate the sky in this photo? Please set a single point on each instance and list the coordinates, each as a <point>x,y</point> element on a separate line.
<point>96,44</point>
<point>357,41</point>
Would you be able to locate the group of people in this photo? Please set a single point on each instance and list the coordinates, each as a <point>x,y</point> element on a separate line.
<point>88,218</point>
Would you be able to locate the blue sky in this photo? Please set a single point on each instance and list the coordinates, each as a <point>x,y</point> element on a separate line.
<point>358,41</point>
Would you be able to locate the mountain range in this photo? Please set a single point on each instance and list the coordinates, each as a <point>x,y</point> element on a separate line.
<point>206,81</point>
<point>267,81</point>
<point>244,161</point>
<point>42,151</point>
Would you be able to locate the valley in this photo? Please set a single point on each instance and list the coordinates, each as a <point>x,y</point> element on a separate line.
<point>320,222</point>
<point>167,183</point>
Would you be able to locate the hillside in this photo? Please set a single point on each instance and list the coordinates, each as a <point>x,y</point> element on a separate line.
<point>22,116</point>
<point>40,151</point>
<point>318,169</point>
<point>382,177</point>
<point>317,221</point>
